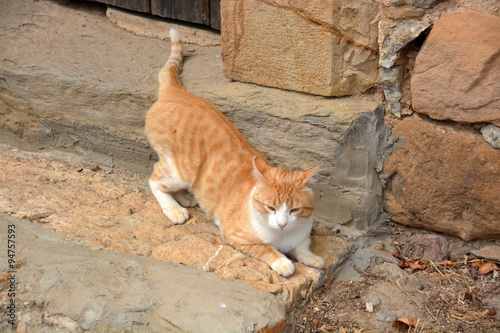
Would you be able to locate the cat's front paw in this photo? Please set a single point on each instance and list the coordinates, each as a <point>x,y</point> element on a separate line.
<point>177,215</point>
<point>283,266</point>
<point>312,260</point>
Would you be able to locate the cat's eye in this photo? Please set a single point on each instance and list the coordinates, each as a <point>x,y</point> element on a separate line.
<point>294,210</point>
<point>271,208</point>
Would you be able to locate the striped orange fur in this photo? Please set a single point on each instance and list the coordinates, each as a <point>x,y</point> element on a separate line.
<point>263,211</point>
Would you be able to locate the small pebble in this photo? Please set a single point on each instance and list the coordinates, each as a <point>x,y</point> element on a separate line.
<point>327,300</point>
<point>385,316</point>
<point>373,299</point>
<point>419,286</point>
<point>369,307</point>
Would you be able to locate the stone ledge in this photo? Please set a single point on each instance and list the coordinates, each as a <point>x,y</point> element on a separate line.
<point>74,288</point>
<point>150,26</point>
<point>115,212</point>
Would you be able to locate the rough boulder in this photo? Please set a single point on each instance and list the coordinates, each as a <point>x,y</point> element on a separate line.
<point>443,177</point>
<point>457,72</point>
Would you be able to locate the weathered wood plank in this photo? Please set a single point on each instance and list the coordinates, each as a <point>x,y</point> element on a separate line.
<point>196,11</point>
<point>206,12</point>
<point>143,6</point>
<point>215,14</point>
<point>161,8</point>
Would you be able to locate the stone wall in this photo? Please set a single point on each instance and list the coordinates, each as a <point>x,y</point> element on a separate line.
<point>444,175</point>
<point>440,176</point>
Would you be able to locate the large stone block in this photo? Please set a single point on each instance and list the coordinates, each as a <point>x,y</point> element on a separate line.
<point>457,72</point>
<point>324,48</point>
<point>444,177</point>
<point>345,137</point>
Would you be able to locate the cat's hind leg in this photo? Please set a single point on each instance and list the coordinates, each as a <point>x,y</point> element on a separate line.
<point>164,182</point>
<point>185,198</point>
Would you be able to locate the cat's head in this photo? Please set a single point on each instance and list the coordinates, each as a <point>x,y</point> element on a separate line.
<point>284,198</point>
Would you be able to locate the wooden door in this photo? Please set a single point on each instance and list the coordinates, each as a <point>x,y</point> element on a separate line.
<point>206,12</point>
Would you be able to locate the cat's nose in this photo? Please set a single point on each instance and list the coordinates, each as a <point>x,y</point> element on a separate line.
<point>282,221</point>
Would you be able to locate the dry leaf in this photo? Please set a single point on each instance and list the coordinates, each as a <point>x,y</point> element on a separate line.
<point>406,323</point>
<point>417,265</point>
<point>413,265</point>
<point>487,267</point>
<point>446,262</point>
<point>477,262</point>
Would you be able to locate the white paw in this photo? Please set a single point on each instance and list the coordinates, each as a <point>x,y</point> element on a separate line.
<point>312,261</point>
<point>177,215</point>
<point>283,266</point>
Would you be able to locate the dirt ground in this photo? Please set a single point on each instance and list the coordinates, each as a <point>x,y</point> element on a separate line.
<point>460,294</point>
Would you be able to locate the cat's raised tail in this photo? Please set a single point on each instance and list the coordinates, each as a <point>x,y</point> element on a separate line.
<point>169,72</point>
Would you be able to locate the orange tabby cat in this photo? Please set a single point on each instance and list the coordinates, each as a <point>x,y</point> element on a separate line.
<point>262,211</point>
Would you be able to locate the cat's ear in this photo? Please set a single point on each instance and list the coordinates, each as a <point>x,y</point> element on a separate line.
<point>259,167</point>
<point>311,177</point>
